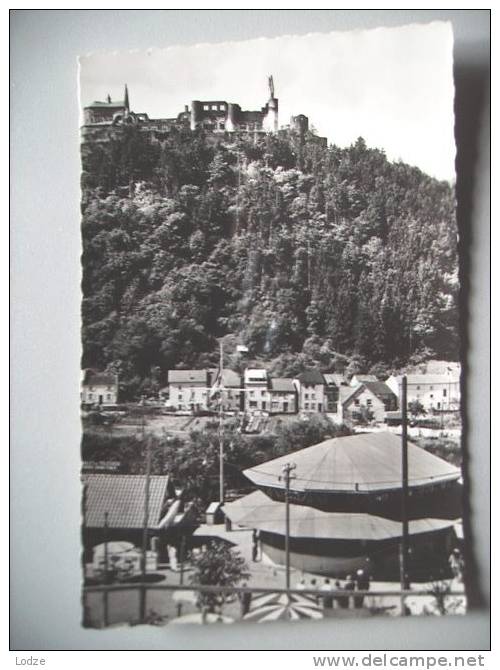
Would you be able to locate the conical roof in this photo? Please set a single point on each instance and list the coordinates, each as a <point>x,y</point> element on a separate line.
<point>257,510</point>
<point>367,462</point>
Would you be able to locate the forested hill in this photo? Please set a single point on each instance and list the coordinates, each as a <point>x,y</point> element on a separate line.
<point>306,254</point>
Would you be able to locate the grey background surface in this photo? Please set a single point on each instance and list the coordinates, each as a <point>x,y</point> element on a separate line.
<point>45,265</point>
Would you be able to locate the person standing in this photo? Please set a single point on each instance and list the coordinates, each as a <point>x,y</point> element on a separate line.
<point>327,597</point>
<point>349,586</point>
<point>362,584</point>
<point>245,601</point>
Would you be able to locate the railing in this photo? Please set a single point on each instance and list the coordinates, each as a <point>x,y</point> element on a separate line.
<point>107,605</point>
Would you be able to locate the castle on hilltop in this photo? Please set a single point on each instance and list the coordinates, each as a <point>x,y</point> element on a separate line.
<point>212,116</point>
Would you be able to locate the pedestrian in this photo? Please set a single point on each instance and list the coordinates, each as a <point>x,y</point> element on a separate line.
<point>362,584</point>
<point>341,601</point>
<point>349,586</point>
<point>456,564</point>
<point>255,545</point>
<point>245,601</point>
<point>327,598</point>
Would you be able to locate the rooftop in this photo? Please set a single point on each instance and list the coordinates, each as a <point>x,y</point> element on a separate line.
<point>187,376</point>
<point>358,463</point>
<point>257,510</point>
<point>122,497</point>
<point>311,376</point>
<point>96,378</point>
<point>283,385</point>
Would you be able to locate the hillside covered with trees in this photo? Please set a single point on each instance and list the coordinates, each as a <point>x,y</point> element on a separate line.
<point>309,255</point>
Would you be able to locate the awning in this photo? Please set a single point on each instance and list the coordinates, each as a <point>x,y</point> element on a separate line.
<point>258,511</point>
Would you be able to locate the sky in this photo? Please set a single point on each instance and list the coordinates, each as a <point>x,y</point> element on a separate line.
<point>392,86</point>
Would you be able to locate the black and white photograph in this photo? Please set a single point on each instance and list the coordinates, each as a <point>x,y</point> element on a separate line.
<point>271,373</point>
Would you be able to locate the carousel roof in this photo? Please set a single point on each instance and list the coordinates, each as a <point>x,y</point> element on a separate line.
<point>256,510</point>
<point>367,462</point>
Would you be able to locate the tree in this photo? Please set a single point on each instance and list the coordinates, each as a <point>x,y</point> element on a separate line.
<point>218,565</point>
<point>416,408</point>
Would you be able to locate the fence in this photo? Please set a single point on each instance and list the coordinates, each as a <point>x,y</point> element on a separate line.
<point>108,605</point>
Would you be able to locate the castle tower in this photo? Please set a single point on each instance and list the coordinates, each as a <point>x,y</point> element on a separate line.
<point>126,103</point>
<point>270,121</point>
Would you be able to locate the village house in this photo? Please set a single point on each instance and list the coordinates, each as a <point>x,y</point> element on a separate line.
<point>99,388</point>
<point>311,390</point>
<point>232,396</point>
<point>333,383</point>
<point>373,399</point>
<point>283,396</point>
<point>435,392</point>
<point>188,389</point>
<point>256,390</point>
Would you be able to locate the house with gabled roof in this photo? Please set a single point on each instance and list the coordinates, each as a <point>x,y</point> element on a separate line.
<point>99,388</point>
<point>188,389</point>
<point>374,398</point>
<point>311,391</point>
<point>283,395</point>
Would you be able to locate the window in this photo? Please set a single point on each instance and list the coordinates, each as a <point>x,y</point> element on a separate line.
<point>215,107</point>
<point>444,393</point>
<point>432,396</point>
<point>306,405</point>
<point>206,107</point>
<point>90,396</point>
<point>306,395</point>
<point>313,396</point>
<point>369,402</point>
<point>418,388</point>
<point>109,396</point>
<point>356,402</point>
<point>252,393</point>
<point>432,388</point>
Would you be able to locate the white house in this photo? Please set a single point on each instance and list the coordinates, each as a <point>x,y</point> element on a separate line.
<point>188,389</point>
<point>256,390</point>
<point>434,392</point>
<point>373,397</point>
<point>99,388</point>
<point>311,390</point>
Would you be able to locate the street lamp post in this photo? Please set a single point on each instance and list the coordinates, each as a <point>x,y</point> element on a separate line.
<point>404,494</point>
<point>287,469</point>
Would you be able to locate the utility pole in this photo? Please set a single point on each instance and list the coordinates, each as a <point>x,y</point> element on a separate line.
<point>404,493</point>
<point>106,570</point>
<point>287,469</point>
<point>145,531</point>
<point>221,428</point>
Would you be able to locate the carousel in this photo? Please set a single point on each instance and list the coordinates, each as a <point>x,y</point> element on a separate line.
<point>345,508</point>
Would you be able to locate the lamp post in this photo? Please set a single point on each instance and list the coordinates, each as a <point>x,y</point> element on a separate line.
<point>287,469</point>
<point>404,493</point>
<point>145,527</point>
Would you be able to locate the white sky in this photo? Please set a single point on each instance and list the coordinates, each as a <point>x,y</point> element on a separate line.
<point>392,86</point>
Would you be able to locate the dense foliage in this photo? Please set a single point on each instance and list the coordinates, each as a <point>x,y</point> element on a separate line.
<point>308,254</point>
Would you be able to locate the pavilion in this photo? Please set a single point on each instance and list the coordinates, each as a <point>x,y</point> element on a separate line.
<point>345,510</point>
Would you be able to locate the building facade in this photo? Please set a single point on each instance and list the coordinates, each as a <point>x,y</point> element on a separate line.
<point>188,390</point>
<point>283,395</point>
<point>99,388</point>
<point>311,390</point>
<point>256,389</point>
<point>439,393</point>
